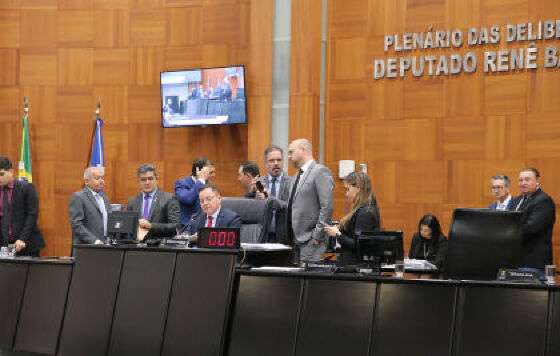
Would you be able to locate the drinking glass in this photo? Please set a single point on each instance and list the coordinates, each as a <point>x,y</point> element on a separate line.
<point>399,268</point>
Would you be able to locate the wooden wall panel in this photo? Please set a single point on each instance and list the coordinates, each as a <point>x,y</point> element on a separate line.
<point>38,29</point>
<point>68,55</point>
<point>183,26</point>
<point>75,28</point>
<point>75,67</point>
<point>9,61</point>
<point>38,67</point>
<point>305,72</point>
<point>432,143</point>
<point>258,52</point>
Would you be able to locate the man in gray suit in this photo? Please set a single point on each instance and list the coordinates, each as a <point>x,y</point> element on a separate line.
<point>277,188</point>
<point>310,204</point>
<point>158,211</point>
<point>89,209</point>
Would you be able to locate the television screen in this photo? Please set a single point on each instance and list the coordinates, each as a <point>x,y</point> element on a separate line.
<point>204,96</point>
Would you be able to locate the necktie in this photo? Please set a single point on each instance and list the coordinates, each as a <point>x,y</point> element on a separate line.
<point>209,221</point>
<point>294,188</point>
<point>146,209</point>
<point>273,188</point>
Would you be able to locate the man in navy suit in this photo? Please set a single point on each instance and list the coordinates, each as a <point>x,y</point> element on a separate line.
<point>187,189</point>
<point>213,215</point>
<point>500,189</point>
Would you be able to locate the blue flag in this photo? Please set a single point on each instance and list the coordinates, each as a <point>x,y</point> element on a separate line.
<point>97,156</point>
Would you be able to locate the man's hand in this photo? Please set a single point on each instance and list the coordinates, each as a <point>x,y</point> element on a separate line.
<point>145,224</point>
<point>331,231</point>
<point>262,195</point>
<point>203,174</point>
<point>20,245</point>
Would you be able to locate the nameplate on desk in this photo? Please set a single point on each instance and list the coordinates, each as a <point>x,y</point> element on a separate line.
<point>513,275</point>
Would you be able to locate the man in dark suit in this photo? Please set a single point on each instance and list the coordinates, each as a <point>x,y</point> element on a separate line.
<point>277,188</point>
<point>89,209</point>
<point>186,189</point>
<point>539,215</point>
<point>310,204</point>
<point>158,211</point>
<point>500,189</point>
<point>19,208</point>
<point>247,175</point>
<point>213,215</point>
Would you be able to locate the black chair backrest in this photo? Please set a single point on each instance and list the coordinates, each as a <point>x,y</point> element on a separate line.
<point>253,213</point>
<point>481,241</point>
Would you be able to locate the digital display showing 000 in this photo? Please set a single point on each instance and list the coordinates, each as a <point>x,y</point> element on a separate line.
<point>219,238</point>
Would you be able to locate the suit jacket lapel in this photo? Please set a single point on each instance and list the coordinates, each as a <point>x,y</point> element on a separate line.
<point>219,218</point>
<point>155,204</point>
<point>90,196</point>
<point>284,190</point>
<point>303,178</point>
<point>137,204</point>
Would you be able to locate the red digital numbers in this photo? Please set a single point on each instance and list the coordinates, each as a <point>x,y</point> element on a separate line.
<point>222,239</point>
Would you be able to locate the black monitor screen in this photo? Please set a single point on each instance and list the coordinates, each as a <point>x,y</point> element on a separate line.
<point>384,247</point>
<point>122,222</point>
<point>203,96</point>
<point>481,241</point>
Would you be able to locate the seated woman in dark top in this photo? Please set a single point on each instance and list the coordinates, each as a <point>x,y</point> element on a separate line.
<point>364,215</point>
<point>429,243</point>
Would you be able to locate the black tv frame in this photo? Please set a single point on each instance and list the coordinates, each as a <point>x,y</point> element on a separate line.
<point>204,68</point>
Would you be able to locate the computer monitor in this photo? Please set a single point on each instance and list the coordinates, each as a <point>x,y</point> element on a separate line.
<point>380,247</point>
<point>122,224</point>
<point>481,241</point>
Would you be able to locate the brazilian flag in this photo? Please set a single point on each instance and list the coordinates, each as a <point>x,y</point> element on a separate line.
<point>25,153</point>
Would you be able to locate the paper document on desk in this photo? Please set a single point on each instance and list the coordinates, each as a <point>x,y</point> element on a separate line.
<point>277,269</point>
<point>418,265</point>
<point>264,247</point>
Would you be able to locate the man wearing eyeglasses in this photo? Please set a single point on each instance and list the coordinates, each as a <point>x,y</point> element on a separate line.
<point>212,214</point>
<point>500,189</point>
<point>158,211</point>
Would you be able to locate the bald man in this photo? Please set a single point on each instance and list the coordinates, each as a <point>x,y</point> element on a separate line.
<point>310,203</point>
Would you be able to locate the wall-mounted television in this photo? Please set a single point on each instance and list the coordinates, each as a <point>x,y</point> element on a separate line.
<point>203,96</point>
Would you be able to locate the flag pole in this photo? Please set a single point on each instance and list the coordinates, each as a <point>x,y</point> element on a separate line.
<point>98,109</point>
<point>25,105</point>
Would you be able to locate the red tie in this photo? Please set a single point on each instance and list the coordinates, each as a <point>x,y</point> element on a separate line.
<point>209,221</point>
